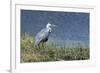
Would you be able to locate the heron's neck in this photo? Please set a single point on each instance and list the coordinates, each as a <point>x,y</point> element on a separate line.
<point>49,29</point>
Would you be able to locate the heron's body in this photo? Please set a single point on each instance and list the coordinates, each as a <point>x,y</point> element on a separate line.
<point>43,35</point>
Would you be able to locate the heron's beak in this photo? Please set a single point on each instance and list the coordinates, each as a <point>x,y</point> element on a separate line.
<point>54,25</point>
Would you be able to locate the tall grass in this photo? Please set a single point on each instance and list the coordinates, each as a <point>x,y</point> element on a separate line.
<point>49,52</point>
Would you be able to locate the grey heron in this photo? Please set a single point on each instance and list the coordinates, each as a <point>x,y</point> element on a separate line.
<point>43,35</point>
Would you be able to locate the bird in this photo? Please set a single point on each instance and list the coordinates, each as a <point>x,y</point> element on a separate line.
<point>43,35</point>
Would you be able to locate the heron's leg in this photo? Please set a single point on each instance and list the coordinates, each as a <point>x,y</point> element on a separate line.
<point>39,47</point>
<point>42,46</point>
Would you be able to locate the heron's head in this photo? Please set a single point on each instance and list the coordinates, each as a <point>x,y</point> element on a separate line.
<point>50,25</point>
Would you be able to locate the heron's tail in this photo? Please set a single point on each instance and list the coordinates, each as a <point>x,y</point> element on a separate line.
<point>35,45</point>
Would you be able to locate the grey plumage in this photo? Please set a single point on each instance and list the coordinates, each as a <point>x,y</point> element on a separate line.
<point>43,35</point>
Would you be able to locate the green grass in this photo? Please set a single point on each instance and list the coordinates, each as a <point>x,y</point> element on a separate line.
<point>49,52</point>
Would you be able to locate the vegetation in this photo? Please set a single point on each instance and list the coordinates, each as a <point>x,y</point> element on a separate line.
<point>49,52</point>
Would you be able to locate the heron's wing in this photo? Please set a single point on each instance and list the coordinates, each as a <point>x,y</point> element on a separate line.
<point>43,34</point>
